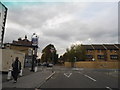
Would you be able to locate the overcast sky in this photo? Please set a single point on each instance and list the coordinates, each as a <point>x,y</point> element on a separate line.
<point>63,23</point>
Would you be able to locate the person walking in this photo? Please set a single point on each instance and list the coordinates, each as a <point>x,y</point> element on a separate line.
<point>16,67</point>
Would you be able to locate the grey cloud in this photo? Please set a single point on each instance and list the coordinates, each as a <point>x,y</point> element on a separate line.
<point>101,28</point>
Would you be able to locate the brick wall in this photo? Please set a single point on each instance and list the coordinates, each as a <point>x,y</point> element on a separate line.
<point>95,64</point>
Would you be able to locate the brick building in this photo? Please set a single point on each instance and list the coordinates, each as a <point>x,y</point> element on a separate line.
<point>102,52</point>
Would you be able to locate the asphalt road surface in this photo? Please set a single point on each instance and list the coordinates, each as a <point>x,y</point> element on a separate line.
<point>81,78</point>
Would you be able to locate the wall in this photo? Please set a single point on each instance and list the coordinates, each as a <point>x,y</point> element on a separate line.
<point>96,64</point>
<point>67,64</point>
<point>90,52</point>
<point>102,52</point>
<point>8,56</point>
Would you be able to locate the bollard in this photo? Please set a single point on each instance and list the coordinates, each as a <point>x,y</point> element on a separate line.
<point>36,69</point>
<point>9,76</point>
<point>20,74</point>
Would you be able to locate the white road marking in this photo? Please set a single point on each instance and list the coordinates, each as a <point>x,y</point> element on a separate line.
<point>77,69</point>
<point>69,74</point>
<point>109,88</point>
<point>90,77</point>
<point>50,75</point>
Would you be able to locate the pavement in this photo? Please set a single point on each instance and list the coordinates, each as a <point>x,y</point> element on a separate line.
<point>30,80</point>
<point>26,71</point>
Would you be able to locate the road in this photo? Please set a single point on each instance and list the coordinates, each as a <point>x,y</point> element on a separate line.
<point>81,78</point>
<point>61,77</point>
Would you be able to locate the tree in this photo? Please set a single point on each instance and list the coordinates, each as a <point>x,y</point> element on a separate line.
<point>43,58</point>
<point>75,51</point>
<point>80,53</point>
<point>49,54</point>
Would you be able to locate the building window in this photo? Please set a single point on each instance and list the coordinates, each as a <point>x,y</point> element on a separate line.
<point>101,56</point>
<point>113,51</point>
<point>89,56</point>
<point>89,51</point>
<point>113,56</point>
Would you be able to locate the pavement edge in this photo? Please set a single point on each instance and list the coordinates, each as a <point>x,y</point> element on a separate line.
<point>50,76</point>
<point>38,87</point>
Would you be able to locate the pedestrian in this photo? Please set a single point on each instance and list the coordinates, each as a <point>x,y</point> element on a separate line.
<point>16,67</point>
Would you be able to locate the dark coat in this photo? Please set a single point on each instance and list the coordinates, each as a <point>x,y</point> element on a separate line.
<point>16,66</point>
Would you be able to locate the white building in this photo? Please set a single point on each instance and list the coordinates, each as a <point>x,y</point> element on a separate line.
<point>7,57</point>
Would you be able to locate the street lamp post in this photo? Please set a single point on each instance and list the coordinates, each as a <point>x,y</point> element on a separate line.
<point>75,62</point>
<point>52,51</point>
<point>33,59</point>
<point>75,59</point>
<point>34,45</point>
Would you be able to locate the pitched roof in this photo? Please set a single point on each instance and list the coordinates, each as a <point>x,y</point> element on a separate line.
<point>110,46</point>
<point>98,46</point>
<point>118,45</point>
<point>88,47</point>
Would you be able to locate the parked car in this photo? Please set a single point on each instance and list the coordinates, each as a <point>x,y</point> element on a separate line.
<point>44,64</point>
<point>50,65</point>
<point>40,64</point>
